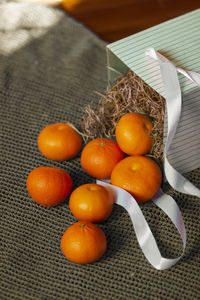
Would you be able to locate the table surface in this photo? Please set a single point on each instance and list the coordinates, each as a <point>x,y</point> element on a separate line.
<point>115,19</point>
<point>50,68</point>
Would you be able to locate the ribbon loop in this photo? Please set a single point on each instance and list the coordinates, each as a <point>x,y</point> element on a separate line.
<point>173,106</point>
<point>143,232</point>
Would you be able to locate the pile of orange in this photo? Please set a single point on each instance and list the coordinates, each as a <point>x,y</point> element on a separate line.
<point>102,158</point>
<point>139,175</point>
<point>50,186</point>
<point>83,242</point>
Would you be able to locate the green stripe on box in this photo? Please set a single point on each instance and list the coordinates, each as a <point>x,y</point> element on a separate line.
<point>178,39</point>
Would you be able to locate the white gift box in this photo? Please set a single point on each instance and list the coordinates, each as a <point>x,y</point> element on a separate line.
<point>178,40</point>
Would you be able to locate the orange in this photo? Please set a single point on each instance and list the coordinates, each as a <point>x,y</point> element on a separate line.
<point>71,5</point>
<point>99,157</point>
<point>59,141</point>
<point>49,186</point>
<point>139,175</point>
<point>91,202</point>
<point>83,242</point>
<point>134,134</point>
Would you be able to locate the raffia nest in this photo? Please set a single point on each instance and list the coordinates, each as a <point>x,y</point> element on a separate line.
<point>129,94</point>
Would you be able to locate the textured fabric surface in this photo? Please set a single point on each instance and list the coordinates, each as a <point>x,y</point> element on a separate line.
<point>50,67</point>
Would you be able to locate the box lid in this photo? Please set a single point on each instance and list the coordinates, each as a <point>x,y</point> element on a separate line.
<point>177,39</point>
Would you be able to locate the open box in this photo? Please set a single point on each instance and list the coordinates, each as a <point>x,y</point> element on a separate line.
<point>178,40</point>
<point>157,55</point>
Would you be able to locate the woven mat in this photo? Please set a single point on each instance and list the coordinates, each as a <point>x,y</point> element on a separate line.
<point>50,67</point>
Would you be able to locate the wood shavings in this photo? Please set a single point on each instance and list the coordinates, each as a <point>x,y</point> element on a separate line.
<point>130,94</point>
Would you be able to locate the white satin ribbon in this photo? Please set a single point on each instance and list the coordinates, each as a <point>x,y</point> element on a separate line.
<point>173,106</point>
<point>143,232</point>
<point>165,202</point>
